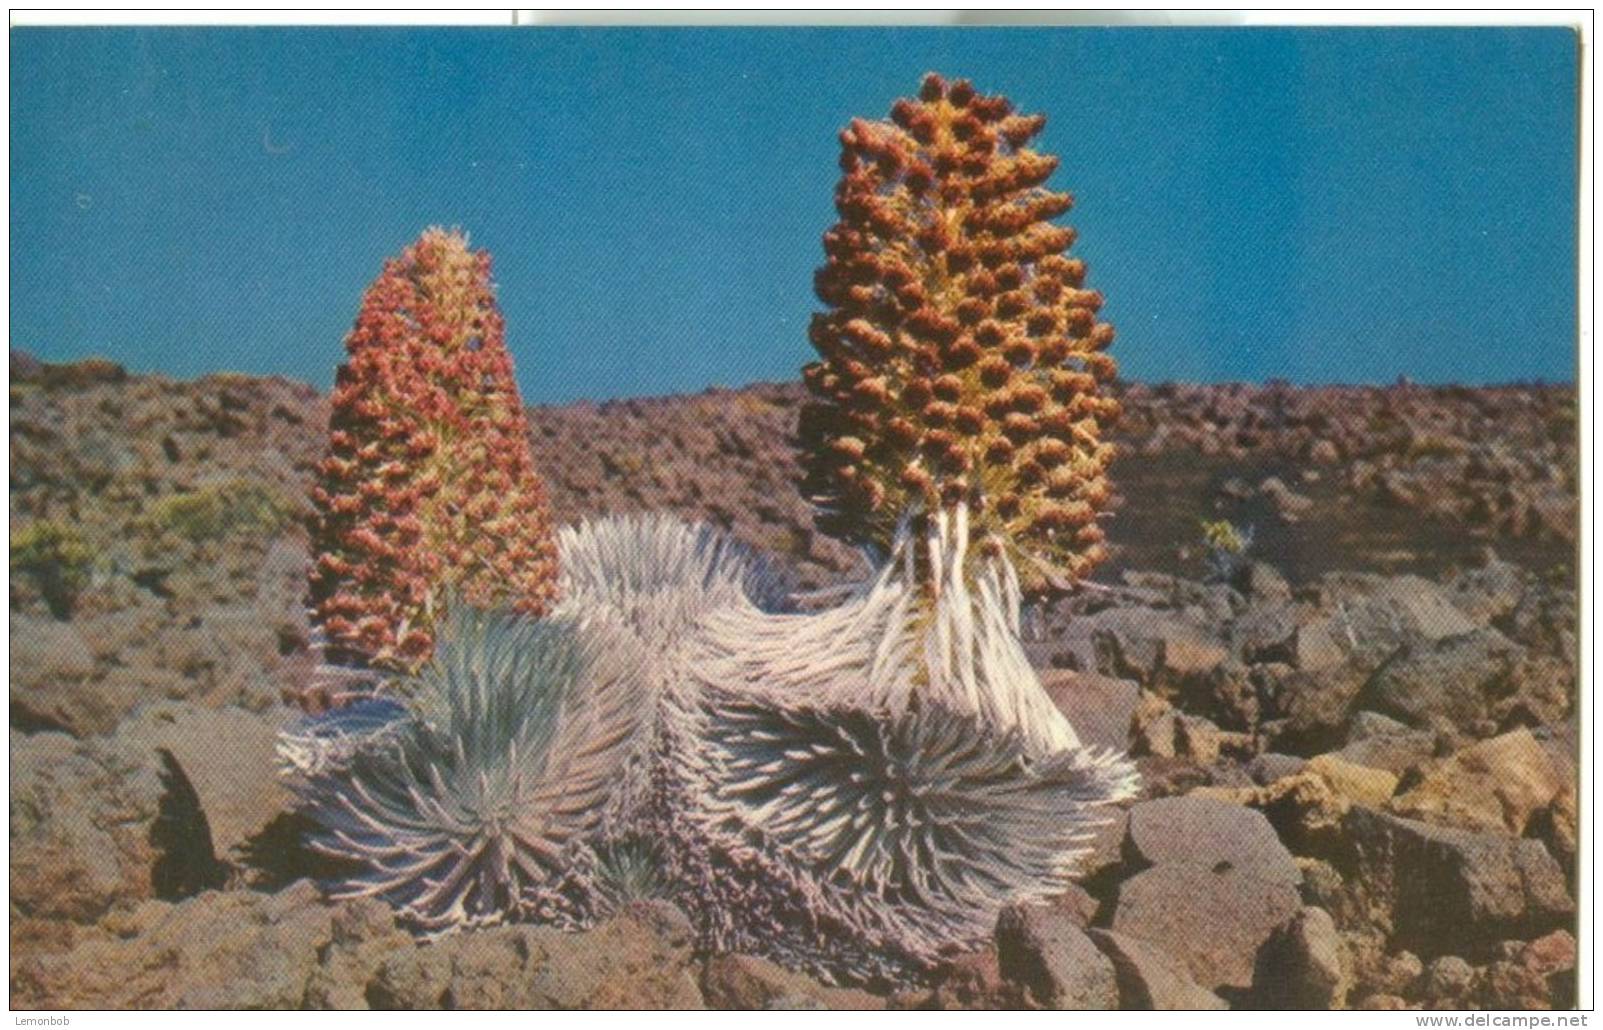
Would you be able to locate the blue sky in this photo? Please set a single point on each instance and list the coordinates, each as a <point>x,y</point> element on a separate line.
<point>1342,205</point>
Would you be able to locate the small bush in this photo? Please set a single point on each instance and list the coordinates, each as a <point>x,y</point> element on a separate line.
<point>236,507</point>
<point>57,558</point>
<point>1227,548</point>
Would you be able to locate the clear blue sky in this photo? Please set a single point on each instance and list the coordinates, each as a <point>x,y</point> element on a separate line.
<point>1318,205</point>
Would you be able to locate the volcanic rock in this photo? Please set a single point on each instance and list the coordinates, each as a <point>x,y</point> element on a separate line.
<point>1496,785</point>
<point>972,981</point>
<point>82,816</point>
<point>1211,835</point>
<point>1535,975</point>
<point>1447,982</point>
<point>1214,921</point>
<point>1149,979</point>
<point>1355,783</point>
<point>1314,646</point>
<point>1300,965</point>
<point>1439,888</point>
<point>1271,766</point>
<point>229,950</point>
<point>50,671</point>
<point>1454,679</point>
<point>228,756</point>
<point>1378,742</point>
<point>1098,707</point>
<point>1262,582</point>
<point>1488,593</point>
<point>1042,950</point>
<point>1395,611</point>
<point>639,959</point>
<point>748,983</point>
<point>1288,504</point>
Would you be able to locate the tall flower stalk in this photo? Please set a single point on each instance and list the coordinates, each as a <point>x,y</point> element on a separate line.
<point>961,359</point>
<point>428,488</point>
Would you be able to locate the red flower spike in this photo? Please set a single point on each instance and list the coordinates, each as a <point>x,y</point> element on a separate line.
<point>428,490</point>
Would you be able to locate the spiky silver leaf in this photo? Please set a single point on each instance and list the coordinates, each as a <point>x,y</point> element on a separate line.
<point>661,578</point>
<point>925,822</point>
<point>766,716</point>
<point>660,574</point>
<point>629,869</point>
<point>475,808</point>
<point>895,643</point>
<point>745,898</point>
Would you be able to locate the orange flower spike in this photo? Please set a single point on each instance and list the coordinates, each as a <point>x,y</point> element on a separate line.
<point>956,325</point>
<point>426,412</point>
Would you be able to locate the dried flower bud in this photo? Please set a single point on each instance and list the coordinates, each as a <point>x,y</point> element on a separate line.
<point>961,354</point>
<point>1012,304</point>
<point>1019,352</point>
<point>956,459</point>
<point>849,448</point>
<point>938,413</point>
<point>901,433</point>
<point>995,371</point>
<point>1020,129</point>
<point>916,479</point>
<point>970,310</point>
<point>970,421</point>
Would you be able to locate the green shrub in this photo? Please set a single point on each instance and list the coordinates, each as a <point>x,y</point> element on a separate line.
<point>56,557</point>
<point>1226,549</point>
<point>235,507</point>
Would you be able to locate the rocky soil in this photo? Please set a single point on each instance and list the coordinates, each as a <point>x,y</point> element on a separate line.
<point>1358,746</point>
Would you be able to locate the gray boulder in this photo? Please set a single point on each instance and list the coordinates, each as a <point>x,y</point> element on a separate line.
<point>154,810</point>
<point>1149,979</point>
<point>1454,679</point>
<point>748,983</point>
<point>1300,965</point>
<point>1041,949</point>
<point>229,757</point>
<point>1488,593</point>
<point>1214,922</point>
<point>1100,708</point>
<point>1210,834</point>
<point>227,950</point>
<point>641,959</point>
<point>52,671</point>
<point>1443,889</point>
<point>81,821</point>
<point>1381,742</point>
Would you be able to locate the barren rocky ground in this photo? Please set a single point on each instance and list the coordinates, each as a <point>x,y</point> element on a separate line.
<point>1359,749</point>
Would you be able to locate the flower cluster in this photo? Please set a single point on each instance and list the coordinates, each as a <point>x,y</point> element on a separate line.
<point>428,487</point>
<point>962,359</point>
